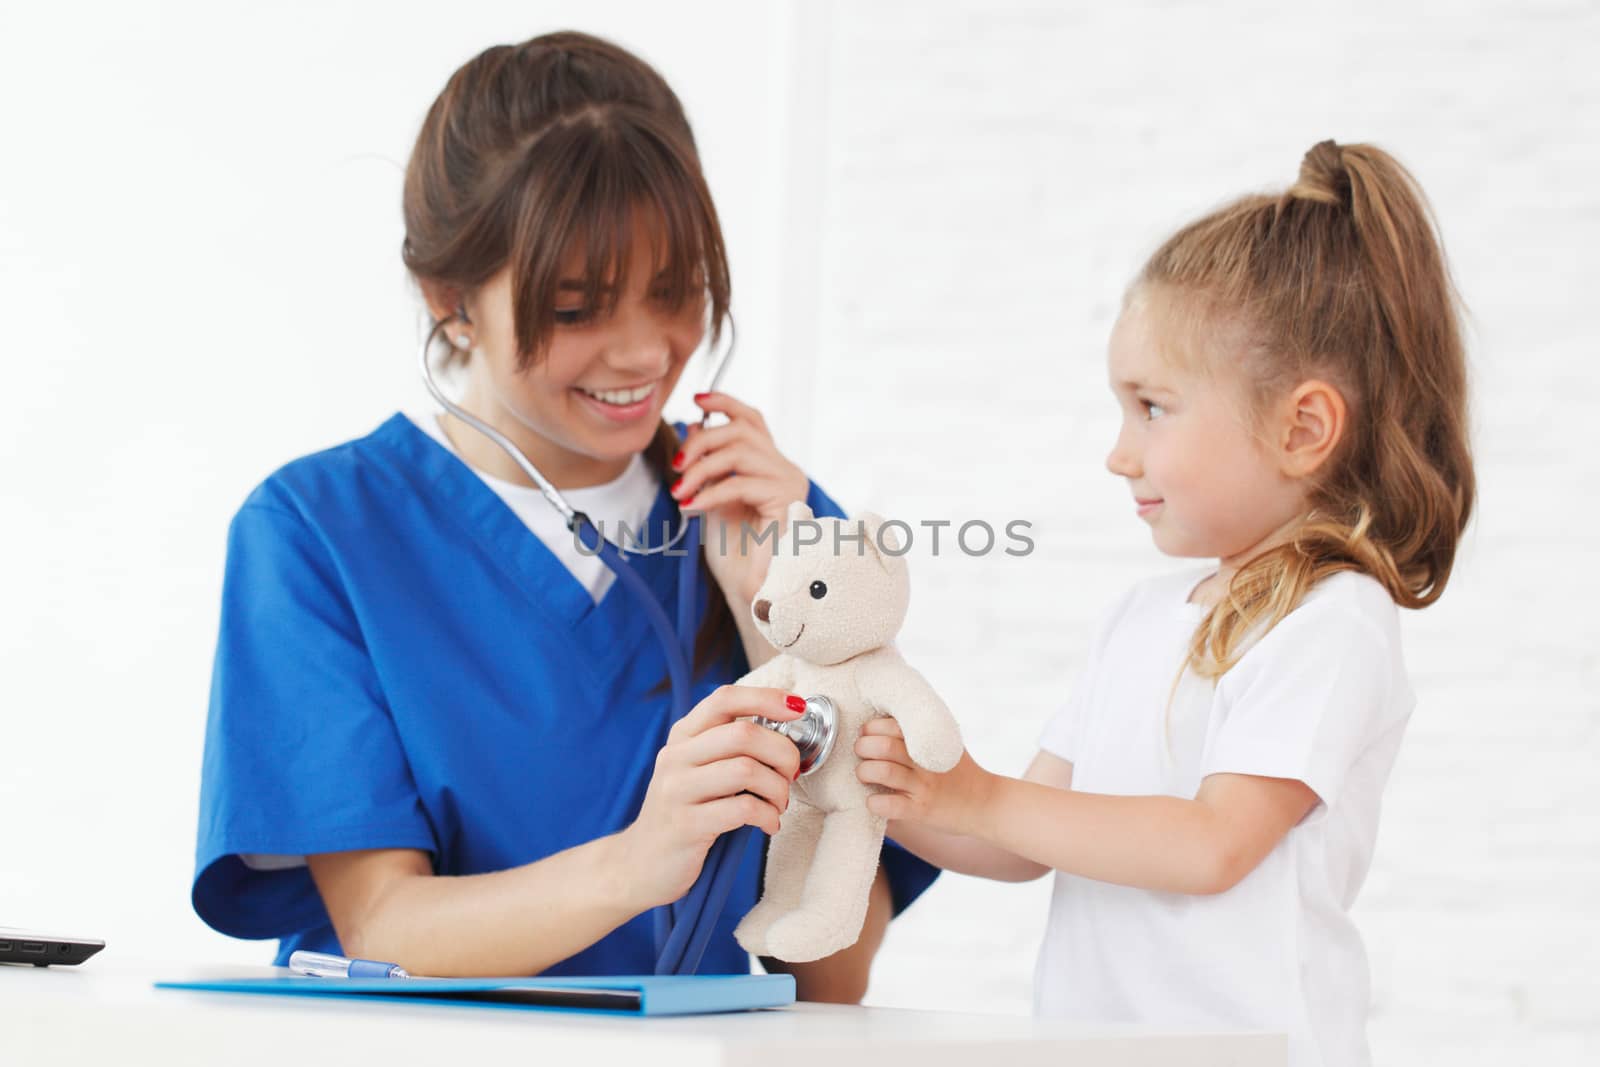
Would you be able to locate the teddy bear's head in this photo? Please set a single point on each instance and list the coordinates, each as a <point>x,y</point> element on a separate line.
<point>836,588</point>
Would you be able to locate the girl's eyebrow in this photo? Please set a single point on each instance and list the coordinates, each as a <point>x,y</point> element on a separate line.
<point>1132,386</point>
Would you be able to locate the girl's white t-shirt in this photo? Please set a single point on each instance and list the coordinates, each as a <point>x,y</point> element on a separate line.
<point>1324,698</point>
<point>626,499</point>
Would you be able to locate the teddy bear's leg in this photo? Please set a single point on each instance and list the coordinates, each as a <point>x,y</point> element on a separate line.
<point>788,859</point>
<point>833,906</point>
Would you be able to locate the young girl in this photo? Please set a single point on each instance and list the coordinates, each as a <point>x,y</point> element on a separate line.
<point>1293,391</point>
<point>438,734</point>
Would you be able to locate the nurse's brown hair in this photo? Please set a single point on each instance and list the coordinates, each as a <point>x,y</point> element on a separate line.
<point>536,150</point>
<point>1341,277</point>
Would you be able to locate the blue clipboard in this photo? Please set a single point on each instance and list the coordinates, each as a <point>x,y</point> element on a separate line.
<point>612,995</point>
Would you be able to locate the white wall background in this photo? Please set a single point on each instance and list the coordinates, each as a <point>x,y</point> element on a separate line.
<point>932,209</point>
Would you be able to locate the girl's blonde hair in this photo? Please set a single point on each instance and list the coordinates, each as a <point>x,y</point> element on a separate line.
<point>1340,278</point>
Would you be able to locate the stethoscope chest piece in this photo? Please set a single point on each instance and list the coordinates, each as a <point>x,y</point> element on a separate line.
<point>812,733</point>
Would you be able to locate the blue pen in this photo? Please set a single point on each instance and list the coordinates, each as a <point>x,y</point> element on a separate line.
<point>321,965</point>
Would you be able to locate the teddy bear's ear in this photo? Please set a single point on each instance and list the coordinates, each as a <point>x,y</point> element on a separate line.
<point>788,542</point>
<point>882,544</point>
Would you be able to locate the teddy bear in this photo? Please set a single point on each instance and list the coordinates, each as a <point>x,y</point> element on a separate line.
<point>831,605</point>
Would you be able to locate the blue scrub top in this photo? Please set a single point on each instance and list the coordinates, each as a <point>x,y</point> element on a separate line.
<point>402,663</point>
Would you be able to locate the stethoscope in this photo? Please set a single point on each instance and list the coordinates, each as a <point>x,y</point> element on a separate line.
<point>683,928</point>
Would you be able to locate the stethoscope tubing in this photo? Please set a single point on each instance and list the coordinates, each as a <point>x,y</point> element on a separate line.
<point>682,929</point>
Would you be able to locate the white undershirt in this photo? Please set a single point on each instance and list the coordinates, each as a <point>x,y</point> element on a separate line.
<point>627,498</point>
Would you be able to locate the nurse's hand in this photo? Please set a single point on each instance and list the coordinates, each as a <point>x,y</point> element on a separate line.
<point>735,475</point>
<point>716,773</point>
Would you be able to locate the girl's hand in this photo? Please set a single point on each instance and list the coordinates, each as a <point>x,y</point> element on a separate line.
<point>735,475</point>
<point>717,772</point>
<point>949,801</point>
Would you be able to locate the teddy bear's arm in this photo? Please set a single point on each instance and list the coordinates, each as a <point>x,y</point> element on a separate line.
<point>891,686</point>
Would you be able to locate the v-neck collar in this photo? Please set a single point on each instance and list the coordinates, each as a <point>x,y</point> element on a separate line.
<point>451,489</point>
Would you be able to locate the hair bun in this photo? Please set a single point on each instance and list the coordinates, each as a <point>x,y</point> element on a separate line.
<point>1323,177</point>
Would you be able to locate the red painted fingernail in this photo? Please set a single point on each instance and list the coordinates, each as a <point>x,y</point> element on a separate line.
<point>676,486</point>
<point>700,396</point>
<point>797,771</point>
<point>677,461</point>
<point>795,703</point>
<point>685,503</point>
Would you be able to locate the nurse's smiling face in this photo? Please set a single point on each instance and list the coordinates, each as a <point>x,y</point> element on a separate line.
<point>1199,473</point>
<point>593,397</point>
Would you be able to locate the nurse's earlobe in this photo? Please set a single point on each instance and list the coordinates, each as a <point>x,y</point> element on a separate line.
<point>462,341</point>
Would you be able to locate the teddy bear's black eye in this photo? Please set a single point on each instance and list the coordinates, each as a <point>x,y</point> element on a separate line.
<point>818,590</point>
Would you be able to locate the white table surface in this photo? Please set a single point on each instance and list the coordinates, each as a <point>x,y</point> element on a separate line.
<point>106,1011</point>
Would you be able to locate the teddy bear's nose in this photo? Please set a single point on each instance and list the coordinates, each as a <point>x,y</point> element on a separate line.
<point>761,609</point>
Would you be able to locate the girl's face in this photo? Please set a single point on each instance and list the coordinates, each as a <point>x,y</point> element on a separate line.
<point>1204,481</point>
<point>594,397</point>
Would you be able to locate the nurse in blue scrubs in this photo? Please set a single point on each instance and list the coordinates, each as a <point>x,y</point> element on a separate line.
<point>439,734</point>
